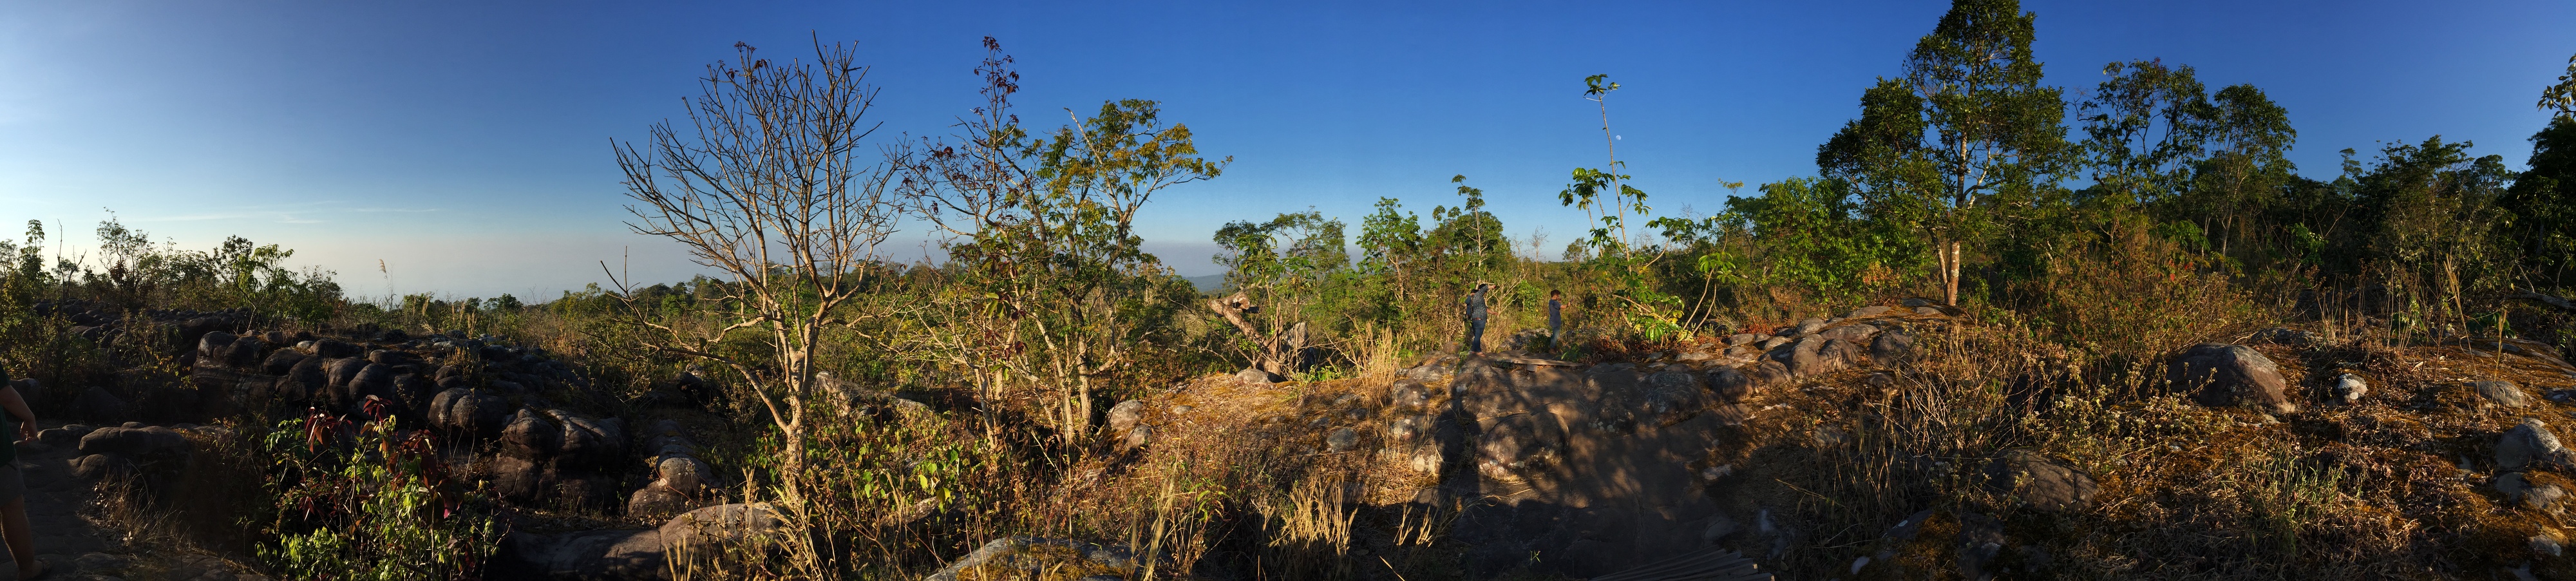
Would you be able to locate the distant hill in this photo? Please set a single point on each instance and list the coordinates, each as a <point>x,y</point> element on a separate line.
<point>1207,284</point>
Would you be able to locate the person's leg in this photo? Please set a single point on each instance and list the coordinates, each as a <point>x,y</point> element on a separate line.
<point>1476,337</point>
<point>22,536</point>
<point>13,522</point>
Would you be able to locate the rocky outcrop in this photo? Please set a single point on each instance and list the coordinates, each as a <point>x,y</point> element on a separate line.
<point>2220,375</point>
<point>1040,558</point>
<point>2040,482</point>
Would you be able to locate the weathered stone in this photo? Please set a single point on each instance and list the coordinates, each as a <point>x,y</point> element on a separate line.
<point>1768,373</point>
<point>2503,393</point>
<point>474,413</point>
<point>2531,441</point>
<point>2040,482</point>
<point>1868,311</point>
<point>683,474</point>
<point>1255,375</point>
<point>1927,310</point>
<point>1517,443</point>
<point>134,442</point>
<point>2220,375</point>
<point>532,435</point>
<point>2350,388</point>
<point>591,442</point>
<point>715,528</point>
<point>1808,327</point>
<point>1774,343</point>
<point>1123,417</point>
<point>1854,333</point>
<point>1981,539</point>
<point>1137,438</point>
<point>1670,397</point>
<point>1341,440</point>
<point>1035,558</point>
<point>1408,394</point>
<point>1729,385</point>
<point>1406,429</point>
<point>96,466</point>
<point>656,501</point>
<point>281,361</point>
<point>1891,347</point>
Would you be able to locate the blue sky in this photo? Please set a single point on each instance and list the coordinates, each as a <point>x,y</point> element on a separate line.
<point>466,144</point>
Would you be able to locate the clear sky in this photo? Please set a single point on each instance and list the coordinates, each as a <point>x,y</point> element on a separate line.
<point>466,144</point>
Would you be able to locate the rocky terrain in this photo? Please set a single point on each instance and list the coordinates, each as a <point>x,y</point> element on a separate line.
<point>1512,463</point>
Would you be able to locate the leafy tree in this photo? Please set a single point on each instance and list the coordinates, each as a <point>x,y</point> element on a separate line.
<point>1965,142</point>
<point>2145,125</point>
<point>1813,239</point>
<point>2432,212</point>
<point>2543,198</point>
<point>1467,241</point>
<point>1053,289</point>
<point>1284,263</point>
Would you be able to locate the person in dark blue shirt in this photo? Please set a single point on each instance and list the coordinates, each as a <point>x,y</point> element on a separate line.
<point>1475,315</point>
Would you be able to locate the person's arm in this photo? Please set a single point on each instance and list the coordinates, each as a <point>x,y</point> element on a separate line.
<point>17,406</point>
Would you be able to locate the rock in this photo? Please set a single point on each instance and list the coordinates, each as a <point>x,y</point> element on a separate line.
<point>1927,310</point>
<point>96,403</point>
<point>1408,394</point>
<point>96,466</point>
<point>717,527</point>
<point>473,413</point>
<point>211,347</point>
<point>1517,443</point>
<point>1768,373</point>
<point>1036,558</point>
<point>1255,375</point>
<point>2530,442</point>
<point>1405,429</point>
<point>1123,417</point>
<point>336,372</point>
<point>334,349</point>
<point>1671,397</point>
<point>683,474</point>
<point>1891,347</point>
<point>1341,440</point>
<point>1729,385</point>
<point>2040,482</point>
<point>2503,393</point>
<point>533,436</point>
<point>2548,542</point>
<point>2220,375</point>
<point>148,442</point>
<point>1425,458</point>
<point>1869,311</point>
<point>1917,302</point>
<point>1854,333</point>
<point>1808,327</point>
<point>1136,438</point>
<point>373,379</point>
<point>656,501</point>
<point>2350,388</point>
<point>1774,343</point>
<point>1743,339</point>
<point>281,361</point>
<point>591,442</point>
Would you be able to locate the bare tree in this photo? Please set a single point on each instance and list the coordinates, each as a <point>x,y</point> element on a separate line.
<point>770,188</point>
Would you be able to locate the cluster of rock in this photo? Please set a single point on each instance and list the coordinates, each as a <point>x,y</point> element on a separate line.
<point>679,477</point>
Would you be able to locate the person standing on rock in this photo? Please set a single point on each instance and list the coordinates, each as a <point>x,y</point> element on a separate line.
<point>1475,315</point>
<point>13,485</point>
<point>1555,317</point>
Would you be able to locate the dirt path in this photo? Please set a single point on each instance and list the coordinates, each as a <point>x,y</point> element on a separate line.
<point>71,537</point>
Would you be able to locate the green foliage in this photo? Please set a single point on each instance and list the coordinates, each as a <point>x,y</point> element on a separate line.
<point>1813,240</point>
<point>2543,204</point>
<point>356,501</point>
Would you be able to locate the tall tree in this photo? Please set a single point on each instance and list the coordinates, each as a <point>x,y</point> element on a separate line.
<point>2144,126</point>
<point>1965,140</point>
<point>2543,198</point>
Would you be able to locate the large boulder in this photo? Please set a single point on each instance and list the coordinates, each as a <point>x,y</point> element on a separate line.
<point>281,361</point>
<point>1891,347</point>
<point>532,435</point>
<point>472,413</point>
<point>715,528</point>
<point>1123,417</point>
<point>2530,442</point>
<point>2221,375</point>
<point>1039,558</point>
<point>2503,393</point>
<point>154,441</point>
